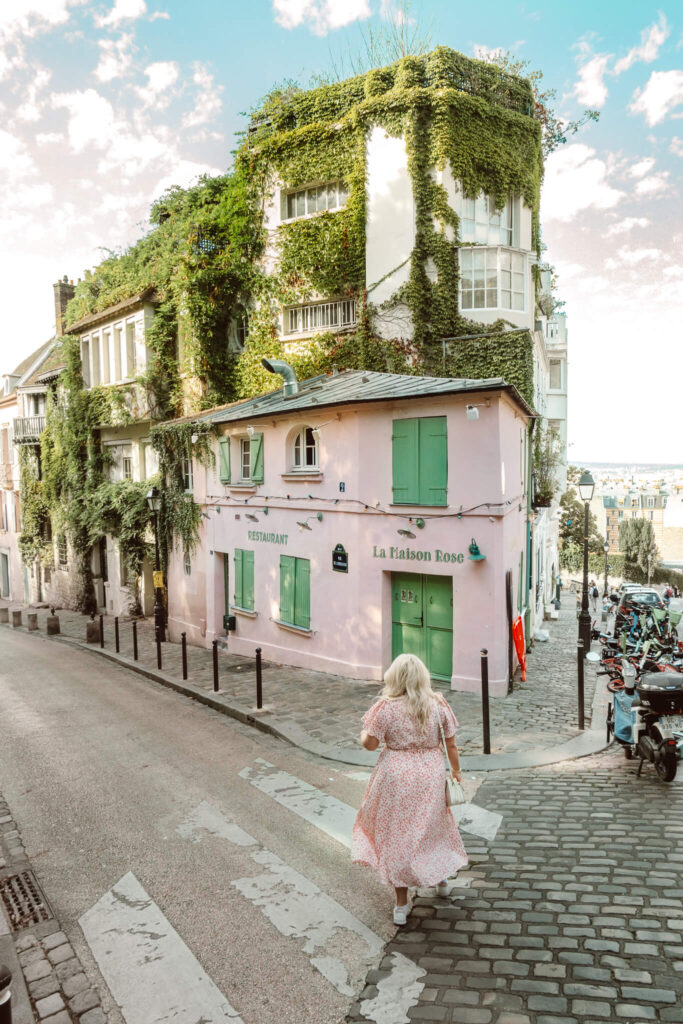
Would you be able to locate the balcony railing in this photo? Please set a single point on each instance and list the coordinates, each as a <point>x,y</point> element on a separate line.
<point>27,429</point>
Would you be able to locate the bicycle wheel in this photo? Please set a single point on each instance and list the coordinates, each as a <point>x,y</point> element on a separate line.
<point>610,722</point>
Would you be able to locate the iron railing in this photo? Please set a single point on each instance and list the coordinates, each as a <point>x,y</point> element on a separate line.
<point>27,429</point>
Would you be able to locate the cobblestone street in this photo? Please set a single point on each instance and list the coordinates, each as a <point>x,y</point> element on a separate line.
<point>575,910</point>
<point>538,714</point>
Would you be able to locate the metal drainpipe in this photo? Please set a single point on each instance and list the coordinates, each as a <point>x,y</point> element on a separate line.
<point>529,544</point>
<point>291,385</point>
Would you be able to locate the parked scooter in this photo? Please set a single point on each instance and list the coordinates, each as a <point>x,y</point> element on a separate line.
<point>646,718</point>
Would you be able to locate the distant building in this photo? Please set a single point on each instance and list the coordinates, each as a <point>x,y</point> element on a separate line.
<point>634,505</point>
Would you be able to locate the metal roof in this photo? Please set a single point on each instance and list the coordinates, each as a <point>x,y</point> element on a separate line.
<point>353,386</point>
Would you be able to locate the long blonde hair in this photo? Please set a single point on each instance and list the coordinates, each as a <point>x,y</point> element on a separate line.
<point>408,677</point>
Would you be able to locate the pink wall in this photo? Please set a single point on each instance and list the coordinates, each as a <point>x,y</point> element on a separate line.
<point>351,613</point>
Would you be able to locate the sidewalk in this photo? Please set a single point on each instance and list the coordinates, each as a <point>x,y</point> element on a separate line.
<point>535,724</point>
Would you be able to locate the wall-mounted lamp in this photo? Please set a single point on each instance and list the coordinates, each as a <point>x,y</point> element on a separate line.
<point>475,554</point>
<point>250,515</point>
<point>250,430</point>
<point>406,533</point>
<point>472,410</point>
<point>303,525</point>
<point>194,438</point>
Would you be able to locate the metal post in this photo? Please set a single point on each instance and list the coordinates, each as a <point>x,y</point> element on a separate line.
<point>259,679</point>
<point>183,648</point>
<point>585,616</point>
<point>5,995</point>
<point>605,591</point>
<point>101,630</point>
<point>135,640</point>
<point>215,666</point>
<point>580,657</point>
<point>159,612</point>
<point>116,633</point>
<point>485,699</point>
<point>157,637</point>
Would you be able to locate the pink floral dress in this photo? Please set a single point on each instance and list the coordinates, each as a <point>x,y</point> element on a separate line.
<point>403,828</point>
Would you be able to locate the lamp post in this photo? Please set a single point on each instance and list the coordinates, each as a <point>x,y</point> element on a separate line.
<point>605,548</point>
<point>586,488</point>
<point>154,502</point>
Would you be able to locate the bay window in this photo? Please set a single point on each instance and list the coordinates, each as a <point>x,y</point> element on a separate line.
<point>481,222</point>
<point>492,278</point>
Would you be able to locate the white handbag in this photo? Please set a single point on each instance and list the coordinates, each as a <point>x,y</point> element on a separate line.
<point>454,791</point>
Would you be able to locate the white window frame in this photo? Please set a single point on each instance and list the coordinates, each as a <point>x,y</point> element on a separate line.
<point>496,257</point>
<point>308,199</point>
<point>555,363</point>
<point>245,458</point>
<point>319,316</point>
<point>650,502</point>
<point>188,474</point>
<point>482,224</point>
<point>302,444</point>
<point>127,467</point>
<point>62,551</point>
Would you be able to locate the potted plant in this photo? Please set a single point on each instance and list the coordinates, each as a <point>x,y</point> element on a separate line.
<point>547,458</point>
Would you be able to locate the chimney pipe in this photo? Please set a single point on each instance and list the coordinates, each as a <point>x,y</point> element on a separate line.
<point>64,292</point>
<point>291,385</point>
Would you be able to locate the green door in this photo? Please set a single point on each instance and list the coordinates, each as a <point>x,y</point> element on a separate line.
<point>422,620</point>
<point>226,577</point>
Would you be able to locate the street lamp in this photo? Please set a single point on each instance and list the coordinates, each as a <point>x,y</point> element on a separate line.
<point>605,548</point>
<point>586,488</point>
<point>154,502</point>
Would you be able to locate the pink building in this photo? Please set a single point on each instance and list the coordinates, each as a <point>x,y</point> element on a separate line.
<point>355,516</point>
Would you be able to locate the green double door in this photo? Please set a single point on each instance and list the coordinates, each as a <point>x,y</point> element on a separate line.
<point>422,620</point>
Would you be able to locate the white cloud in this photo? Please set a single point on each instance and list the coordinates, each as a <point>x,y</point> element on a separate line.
<point>663,92</point>
<point>673,271</point>
<point>15,160</point>
<point>49,138</point>
<point>576,180</point>
<point>116,57</point>
<point>642,167</point>
<point>28,17</point>
<point>208,102</point>
<point>91,118</point>
<point>161,77</point>
<point>676,146</point>
<point>121,11</point>
<point>32,107</point>
<point>487,53</point>
<point>632,257</point>
<point>184,174</point>
<point>319,15</point>
<point>590,87</point>
<point>651,39</point>
<point>654,183</point>
<point>622,227</point>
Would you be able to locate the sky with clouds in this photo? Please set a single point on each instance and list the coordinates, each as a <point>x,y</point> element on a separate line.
<point>105,104</point>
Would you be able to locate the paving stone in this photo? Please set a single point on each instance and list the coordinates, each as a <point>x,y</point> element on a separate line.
<point>60,954</point>
<point>26,942</point>
<point>590,991</point>
<point>96,1016</point>
<point>548,1004</point>
<point>67,969</point>
<point>59,1018</point>
<point>588,1008</point>
<point>44,987</point>
<point>470,1015</point>
<point>649,995</point>
<point>50,1005</point>
<point>634,1011</point>
<point>78,982</point>
<point>461,997</point>
<point>37,970</point>
<point>624,974</point>
<point>83,1001</point>
<point>56,939</point>
<point>31,956</point>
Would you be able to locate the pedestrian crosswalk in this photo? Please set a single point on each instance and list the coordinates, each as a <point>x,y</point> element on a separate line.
<point>138,950</point>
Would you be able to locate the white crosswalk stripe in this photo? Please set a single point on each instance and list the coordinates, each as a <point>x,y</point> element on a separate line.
<point>151,973</point>
<point>396,994</point>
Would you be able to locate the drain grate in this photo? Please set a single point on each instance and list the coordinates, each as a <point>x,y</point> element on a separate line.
<point>24,901</point>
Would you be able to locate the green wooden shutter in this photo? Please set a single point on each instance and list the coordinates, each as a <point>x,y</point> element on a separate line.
<point>248,580</point>
<point>433,461</point>
<point>302,594</point>
<point>287,571</point>
<point>404,440</point>
<point>238,577</point>
<point>224,459</point>
<point>256,458</point>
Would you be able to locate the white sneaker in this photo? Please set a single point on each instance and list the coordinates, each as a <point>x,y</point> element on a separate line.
<point>401,914</point>
<point>443,888</point>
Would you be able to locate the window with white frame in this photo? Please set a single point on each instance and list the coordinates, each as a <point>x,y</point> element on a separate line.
<point>552,329</point>
<point>556,374</point>
<point>95,360</point>
<point>492,279</point>
<point>305,450</point>
<point>481,222</point>
<point>650,502</point>
<point>320,316</point>
<point>315,199</point>
<point>131,360</point>
<point>62,551</point>
<point>245,458</point>
<point>127,467</point>
<point>188,475</point>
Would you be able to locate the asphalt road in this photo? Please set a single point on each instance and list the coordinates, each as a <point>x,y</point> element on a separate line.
<point>108,774</point>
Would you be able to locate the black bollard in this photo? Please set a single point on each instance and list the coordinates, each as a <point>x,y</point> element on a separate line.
<point>135,640</point>
<point>485,699</point>
<point>579,653</point>
<point>183,648</point>
<point>158,642</point>
<point>215,666</point>
<point>259,679</point>
<point>116,633</point>
<point>101,630</point>
<point>5,995</point>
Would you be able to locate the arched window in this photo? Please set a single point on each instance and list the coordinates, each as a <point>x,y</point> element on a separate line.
<point>305,450</point>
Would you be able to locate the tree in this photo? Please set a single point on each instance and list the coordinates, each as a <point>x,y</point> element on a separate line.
<point>400,36</point>
<point>572,523</point>
<point>555,130</point>
<point>574,474</point>
<point>547,459</point>
<point>638,544</point>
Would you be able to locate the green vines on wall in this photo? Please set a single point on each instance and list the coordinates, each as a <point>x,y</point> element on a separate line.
<point>509,355</point>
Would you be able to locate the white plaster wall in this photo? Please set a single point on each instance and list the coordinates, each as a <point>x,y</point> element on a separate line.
<point>390,227</point>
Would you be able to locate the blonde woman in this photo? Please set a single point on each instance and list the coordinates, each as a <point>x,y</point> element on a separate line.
<point>404,830</point>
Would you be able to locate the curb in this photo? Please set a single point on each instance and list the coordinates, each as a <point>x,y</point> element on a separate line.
<point>592,741</point>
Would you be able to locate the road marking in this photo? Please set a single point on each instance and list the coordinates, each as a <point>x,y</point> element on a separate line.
<point>396,994</point>
<point>325,812</point>
<point>477,820</point>
<point>151,973</point>
<point>295,905</point>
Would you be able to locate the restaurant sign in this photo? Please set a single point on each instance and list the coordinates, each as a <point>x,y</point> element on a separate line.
<point>268,538</point>
<point>411,555</point>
